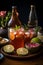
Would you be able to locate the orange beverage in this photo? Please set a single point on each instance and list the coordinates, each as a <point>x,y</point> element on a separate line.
<point>27,37</point>
<point>32,33</point>
<point>16,38</point>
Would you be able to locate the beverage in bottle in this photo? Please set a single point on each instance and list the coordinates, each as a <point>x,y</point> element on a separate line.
<point>14,18</point>
<point>33,21</point>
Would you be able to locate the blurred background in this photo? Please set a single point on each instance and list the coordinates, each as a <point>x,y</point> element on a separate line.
<point>24,8</point>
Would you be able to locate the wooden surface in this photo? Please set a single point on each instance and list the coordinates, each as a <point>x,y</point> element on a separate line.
<point>37,60</point>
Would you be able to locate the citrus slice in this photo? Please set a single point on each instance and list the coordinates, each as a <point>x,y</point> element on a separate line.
<point>22,51</point>
<point>8,48</point>
<point>35,40</point>
<point>12,36</point>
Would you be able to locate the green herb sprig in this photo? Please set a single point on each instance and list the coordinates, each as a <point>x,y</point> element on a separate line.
<point>16,27</point>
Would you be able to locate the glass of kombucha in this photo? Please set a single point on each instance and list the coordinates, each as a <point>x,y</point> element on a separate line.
<point>16,37</point>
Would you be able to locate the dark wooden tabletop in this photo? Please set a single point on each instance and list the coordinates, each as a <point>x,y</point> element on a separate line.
<point>37,60</point>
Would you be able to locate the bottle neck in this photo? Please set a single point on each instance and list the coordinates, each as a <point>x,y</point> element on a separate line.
<point>32,8</point>
<point>14,14</point>
<point>15,18</point>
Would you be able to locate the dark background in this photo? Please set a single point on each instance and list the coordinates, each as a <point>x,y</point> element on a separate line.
<point>24,8</point>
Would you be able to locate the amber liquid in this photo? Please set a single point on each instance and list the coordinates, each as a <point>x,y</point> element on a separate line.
<point>17,42</point>
<point>27,40</point>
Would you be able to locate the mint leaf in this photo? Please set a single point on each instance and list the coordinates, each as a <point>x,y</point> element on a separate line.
<point>16,27</point>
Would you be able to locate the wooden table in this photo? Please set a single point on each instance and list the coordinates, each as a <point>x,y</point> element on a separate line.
<point>37,60</point>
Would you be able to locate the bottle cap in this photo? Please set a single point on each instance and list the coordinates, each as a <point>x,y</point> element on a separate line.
<point>14,7</point>
<point>32,6</point>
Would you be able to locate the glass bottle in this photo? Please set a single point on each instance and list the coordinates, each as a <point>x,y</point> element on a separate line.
<point>14,18</point>
<point>33,21</point>
<point>15,34</point>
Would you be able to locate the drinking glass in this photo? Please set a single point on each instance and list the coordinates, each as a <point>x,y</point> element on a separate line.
<point>16,37</point>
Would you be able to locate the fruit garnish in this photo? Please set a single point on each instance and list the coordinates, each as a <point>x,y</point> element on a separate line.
<point>8,48</point>
<point>12,36</point>
<point>33,47</point>
<point>22,51</point>
<point>35,40</point>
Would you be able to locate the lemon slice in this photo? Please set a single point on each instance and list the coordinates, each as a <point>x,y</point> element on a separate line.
<point>22,51</point>
<point>8,48</point>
